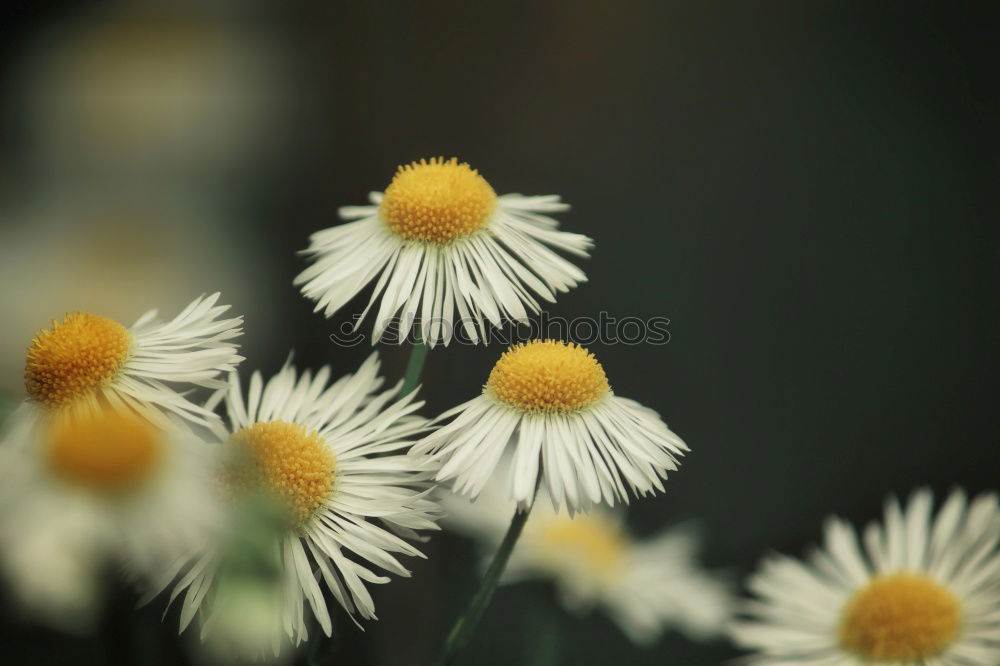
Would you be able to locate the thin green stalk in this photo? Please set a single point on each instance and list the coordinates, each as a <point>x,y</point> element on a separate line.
<point>543,629</point>
<point>461,633</point>
<point>418,355</point>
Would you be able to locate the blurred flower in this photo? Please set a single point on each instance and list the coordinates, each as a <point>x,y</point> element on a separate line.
<point>85,490</point>
<point>551,403</point>
<point>129,88</point>
<point>245,622</point>
<point>329,454</point>
<point>645,586</point>
<point>439,240</point>
<point>87,359</point>
<point>922,590</point>
<point>244,616</point>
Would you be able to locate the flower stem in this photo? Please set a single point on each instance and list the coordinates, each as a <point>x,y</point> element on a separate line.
<point>418,355</point>
<point>543,627</point>
<point>460,634</point>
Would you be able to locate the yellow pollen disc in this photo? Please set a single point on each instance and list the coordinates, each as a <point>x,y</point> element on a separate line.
<point>437,201</point>
<point>589,540</point>
<point>902,617</point>
<point>288,460</point>
<point>75,356</point>
<point>106,451</point>
<point>548,375</point>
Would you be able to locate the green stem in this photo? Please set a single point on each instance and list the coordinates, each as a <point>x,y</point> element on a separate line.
<point>543,628</point>
<point>418,355</point>
<point>461,633</point>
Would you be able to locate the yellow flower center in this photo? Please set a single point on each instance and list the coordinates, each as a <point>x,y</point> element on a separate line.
<point>590,541</point>
<point>288,460</point>
<point>74,357</point>
<point>106,451</point>
<point>437,201</point>
<point>901,617</point>
<point>548,375</point>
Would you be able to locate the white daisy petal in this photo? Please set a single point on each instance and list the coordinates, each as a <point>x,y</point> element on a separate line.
<point>441,241</point>
<point>923,590</point>
<point>89,360</point>
<point>333,454</point>
<point>549,403</point>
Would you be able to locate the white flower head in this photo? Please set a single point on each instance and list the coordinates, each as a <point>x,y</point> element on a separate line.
<point>917,590</point>
<point>84,491</point>
<point>550,403</point>
<point>646,586</point>
<point>333,454</point>
<point>440,243</point>
<point>87,359</point>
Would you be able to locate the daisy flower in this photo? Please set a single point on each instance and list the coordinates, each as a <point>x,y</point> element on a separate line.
<point>90,360</point>
<point>918,590</point>
<point>439,241</point>
<point>86,489</point>
<point>645,586</point>
<point>331,454</point>
<point>550,403</point>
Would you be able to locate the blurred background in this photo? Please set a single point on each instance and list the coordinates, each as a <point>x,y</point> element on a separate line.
<point>807,191</point>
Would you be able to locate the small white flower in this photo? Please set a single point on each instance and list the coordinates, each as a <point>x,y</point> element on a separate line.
<point>332,455</point>
<point>89,360</point>
<point>84,489</point>
<point>550,403</point>
<point>440,242</point>
<point>646,586</point>
<point>918,590</point>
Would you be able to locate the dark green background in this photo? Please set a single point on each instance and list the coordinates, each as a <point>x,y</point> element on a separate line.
<point>806,189</point>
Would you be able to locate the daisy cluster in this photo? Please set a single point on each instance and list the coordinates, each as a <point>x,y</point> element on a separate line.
<point>256,507</point>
